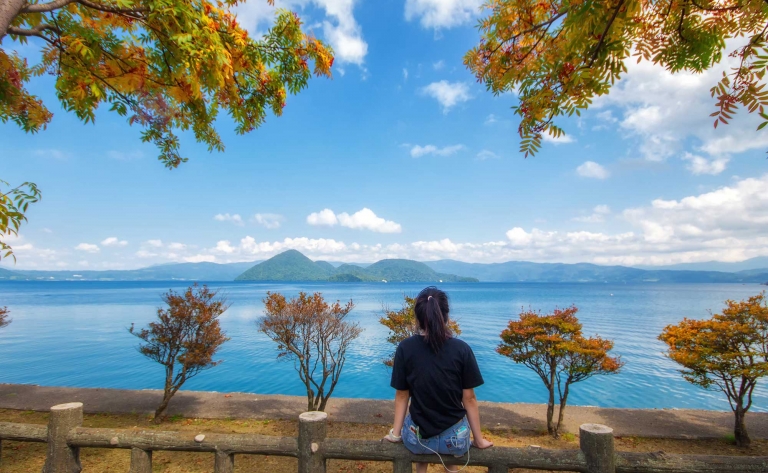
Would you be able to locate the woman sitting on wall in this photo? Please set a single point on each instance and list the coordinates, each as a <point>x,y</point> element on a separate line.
<point>438,374</point>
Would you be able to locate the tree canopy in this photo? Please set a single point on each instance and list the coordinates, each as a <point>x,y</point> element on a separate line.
<point>402,324</point>
<point>553,347</point>
<point>168,66</point>
<point>558,55</point>
<point>727,352</point>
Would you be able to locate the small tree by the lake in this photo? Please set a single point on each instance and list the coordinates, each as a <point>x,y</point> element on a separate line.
<point>402,324</point>
<point>5,316</point>
<point>315,335</point>
<point>184,338</point>
<point>553,346</point>
<point>727,352</point>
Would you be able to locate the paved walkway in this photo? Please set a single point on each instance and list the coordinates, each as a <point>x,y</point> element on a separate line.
<point>669,423</point>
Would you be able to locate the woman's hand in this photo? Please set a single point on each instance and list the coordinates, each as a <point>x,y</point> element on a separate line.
<point>482,443</point>
<point>391,437</point>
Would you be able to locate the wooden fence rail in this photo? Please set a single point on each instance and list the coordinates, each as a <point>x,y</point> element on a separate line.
<point>65,436</point>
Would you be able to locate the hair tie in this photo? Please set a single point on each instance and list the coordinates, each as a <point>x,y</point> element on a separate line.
<point>429,298</point>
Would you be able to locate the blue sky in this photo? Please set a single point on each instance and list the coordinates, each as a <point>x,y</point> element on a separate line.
<point>403,154</point>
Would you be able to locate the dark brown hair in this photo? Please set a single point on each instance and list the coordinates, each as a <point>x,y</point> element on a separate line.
<point>432,310</point>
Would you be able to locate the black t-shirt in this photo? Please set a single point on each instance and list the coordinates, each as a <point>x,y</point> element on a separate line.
<point>435,380</point>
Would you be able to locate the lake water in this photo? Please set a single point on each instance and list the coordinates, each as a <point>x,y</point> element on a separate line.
<point>74,334</point>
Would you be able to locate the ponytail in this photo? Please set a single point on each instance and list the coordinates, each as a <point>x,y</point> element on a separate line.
<point>431,310</point>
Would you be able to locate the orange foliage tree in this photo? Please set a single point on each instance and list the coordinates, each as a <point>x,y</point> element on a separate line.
<point>315,335</point>
<point>553,346</point>
<point>403,324</point>
<point>5,318</point>
<point>558,55</point>
<point>167,65</point>
<point>727,352</point>
<point>184,338</point>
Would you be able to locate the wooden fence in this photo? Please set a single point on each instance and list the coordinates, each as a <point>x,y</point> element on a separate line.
<point>65,437</point>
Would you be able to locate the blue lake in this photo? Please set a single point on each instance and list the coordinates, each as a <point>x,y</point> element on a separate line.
<point>74,334</point>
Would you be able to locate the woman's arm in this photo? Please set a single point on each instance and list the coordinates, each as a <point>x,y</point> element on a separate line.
<point>473,416</point>
<point>401,408</point>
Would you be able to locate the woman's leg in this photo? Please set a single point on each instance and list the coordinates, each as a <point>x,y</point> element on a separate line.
<point>421,467</point>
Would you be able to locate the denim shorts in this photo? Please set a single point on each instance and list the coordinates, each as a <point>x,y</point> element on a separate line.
<point>452,441</point>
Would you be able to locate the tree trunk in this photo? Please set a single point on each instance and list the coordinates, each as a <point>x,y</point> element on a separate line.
<point>551,411</point>
<point>740,428</point>
<point>9,10</point>
<point>161,409</point>
<point>561,412</point>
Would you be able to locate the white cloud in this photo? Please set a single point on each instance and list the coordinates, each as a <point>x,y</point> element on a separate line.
<point>269,221</point>
<point>442,13</point>
<point>113,241</point>
<point>51,153</point>
<point>666,112</point>
<point>486,154</point>
<point>177,246</point>
<point>145,254</point>
<point>562,139</point>
<point>700,165</point>
<point>419,151</point>
<point>448,94</point>
<point>340,28</point>
<point>234,218</point>
<point>325,217</point>
<point>593,170</point>
<point>405,74</point>
<point>490,119</point>
<point>365,219</point>
<point>87,247</point>
<point>155,243</point>
<point>597,216</point>
<point>224,246</point>
<point>438,65</point>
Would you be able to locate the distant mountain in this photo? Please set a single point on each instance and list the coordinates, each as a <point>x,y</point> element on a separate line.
<point>759,263</point>
<point>294,266</point>
<point>287,266</point>
<point>165,272</point>
<point>523,271</point>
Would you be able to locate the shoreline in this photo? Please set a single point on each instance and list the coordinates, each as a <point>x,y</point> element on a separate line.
<point>514,417</point>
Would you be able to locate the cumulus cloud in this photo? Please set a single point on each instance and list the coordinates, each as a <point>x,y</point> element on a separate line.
<point>88,248</point>
<point>325,217</point>
<point>234,218</point>
<point>668,112</point>
<point>438,65</point>
<point>177,246</point>
<point>438,14</point>
<point>448,94</point>
<point>113,241</point>
<point>700,165</point>
<point>364,219</point>
<point>155,243</point>
<point>200,259</point>
<point>419,151</point>
<point>592,170</point>
<point>562,139</point>
<point>269,221</point>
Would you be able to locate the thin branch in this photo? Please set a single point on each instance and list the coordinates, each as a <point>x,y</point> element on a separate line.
<point>605,32</point>
<point>36,31</point>
<point>56,4</point>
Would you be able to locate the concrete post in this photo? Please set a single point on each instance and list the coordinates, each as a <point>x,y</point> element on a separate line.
<point>402,465</point>
<point>596,442</point>
<point>224,463</point>
<point>61,458</point>
<point>141,461</point>
<point>312,431</point>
